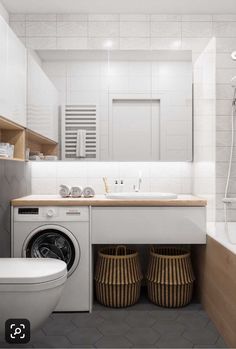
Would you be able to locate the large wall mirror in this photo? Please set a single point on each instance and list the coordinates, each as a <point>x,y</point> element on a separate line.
<point>125,105</point>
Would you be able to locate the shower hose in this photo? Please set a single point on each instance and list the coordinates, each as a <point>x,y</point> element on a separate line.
<point>226,200</point>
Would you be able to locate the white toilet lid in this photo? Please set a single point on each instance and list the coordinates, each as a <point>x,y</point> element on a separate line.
<point>30,270</point>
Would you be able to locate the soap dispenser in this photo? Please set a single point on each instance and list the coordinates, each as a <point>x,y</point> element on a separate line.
<point>116,187</point>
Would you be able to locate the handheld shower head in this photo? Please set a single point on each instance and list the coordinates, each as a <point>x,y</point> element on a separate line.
<point>233,82</point>
<point>233,55</point>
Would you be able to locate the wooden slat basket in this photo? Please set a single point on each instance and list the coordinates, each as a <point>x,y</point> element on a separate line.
<point>170,277</point>
<point>118,277</point>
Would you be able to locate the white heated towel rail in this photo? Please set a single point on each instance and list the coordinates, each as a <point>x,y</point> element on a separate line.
<point>79,117</point>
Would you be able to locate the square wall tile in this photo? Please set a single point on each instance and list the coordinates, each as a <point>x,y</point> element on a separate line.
<point>197,29</point>
<point>41,29</point>
<point>134,29</point>
<point>44,186</point>
<point>103,29</point>
<point>71,169</point>
<point>224,29</point>
<point>196,18</point>
<point>44,169</point>
<point>68,29</point>
<point>166,29</point>
<point>134,17</point>
<point>41,43</point>
<point>45,17</point>
<point>68,17</point>
<point>97,17</point>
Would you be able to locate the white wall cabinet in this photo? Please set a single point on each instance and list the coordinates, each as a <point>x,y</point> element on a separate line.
<point>13,75</point>
<point>42,111</point>
<point>3,67</point>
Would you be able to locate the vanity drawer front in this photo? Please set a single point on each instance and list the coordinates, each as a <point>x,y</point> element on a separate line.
<point>148,225</point>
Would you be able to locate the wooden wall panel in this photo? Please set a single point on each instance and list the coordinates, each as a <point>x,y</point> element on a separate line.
<point>215,268</point>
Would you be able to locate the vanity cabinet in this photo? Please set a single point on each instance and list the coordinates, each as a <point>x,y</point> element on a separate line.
<point>148,225</point>
<point>42,111</point>
<point>13,76</point>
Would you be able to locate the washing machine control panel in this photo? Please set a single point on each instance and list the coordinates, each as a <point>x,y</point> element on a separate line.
<point>51,214</point>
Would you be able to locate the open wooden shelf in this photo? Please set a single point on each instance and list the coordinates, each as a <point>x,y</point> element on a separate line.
<point>13,133</point>
<point>23,138</point>
<point>37,142</point>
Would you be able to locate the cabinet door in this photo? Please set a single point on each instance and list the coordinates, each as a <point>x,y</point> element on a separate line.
<point>16,79</point>
<point>42,114</point>
<point>3,67</point>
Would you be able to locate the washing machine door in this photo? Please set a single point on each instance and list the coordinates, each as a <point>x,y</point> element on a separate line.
<point>53,241</point>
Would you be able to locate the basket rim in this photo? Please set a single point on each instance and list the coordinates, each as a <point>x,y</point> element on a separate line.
<point>185,254</point>
<point>108,256</point>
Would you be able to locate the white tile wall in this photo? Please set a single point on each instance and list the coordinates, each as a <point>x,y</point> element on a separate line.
<point>134,29</point>
<point>41,29</point>
<point>47,177</point>
<point>128,31</point>
<point>71,29</point>
<point>167,31</point>
<point>197,29</point>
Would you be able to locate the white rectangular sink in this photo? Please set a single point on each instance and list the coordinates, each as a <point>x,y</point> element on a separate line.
<point>142,195</point>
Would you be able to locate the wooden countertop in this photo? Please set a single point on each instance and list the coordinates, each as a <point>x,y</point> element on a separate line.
<point>101,200</point>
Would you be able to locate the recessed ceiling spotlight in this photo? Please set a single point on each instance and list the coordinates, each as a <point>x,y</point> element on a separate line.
<point>108,44</point>
<point>233,55</point>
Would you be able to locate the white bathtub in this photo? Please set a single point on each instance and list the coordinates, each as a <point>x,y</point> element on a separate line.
<point>217,231</point>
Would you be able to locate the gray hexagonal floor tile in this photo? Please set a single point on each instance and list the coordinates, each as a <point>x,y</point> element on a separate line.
<point>140,319</point>
<point>118,314</point>
<point>7,345</point>
<point>193,319</point>
<point>52,342</point>
<point>87,320</point>
<point>212,327</point>
<point>84,336</point>
<point>202,336</point>
<point>169,327</point>
<point>164,315</point>
<point>113,328</point>
<point>58,326</point>
<point>113,342</point>
<point>141,337</point>
<point>169,341</point>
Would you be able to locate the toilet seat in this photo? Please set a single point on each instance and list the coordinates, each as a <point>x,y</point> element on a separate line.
<point>24,274</point>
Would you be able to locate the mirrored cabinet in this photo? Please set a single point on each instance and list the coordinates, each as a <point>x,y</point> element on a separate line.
<point>115,105</point>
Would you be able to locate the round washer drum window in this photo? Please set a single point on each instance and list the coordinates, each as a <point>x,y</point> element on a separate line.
<point>51,243</point>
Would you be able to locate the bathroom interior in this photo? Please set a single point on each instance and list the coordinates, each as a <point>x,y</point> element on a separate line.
<point>117,172</point>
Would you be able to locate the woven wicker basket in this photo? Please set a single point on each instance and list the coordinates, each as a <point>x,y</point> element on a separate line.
<point>170,277</point>
<point>118,277</point>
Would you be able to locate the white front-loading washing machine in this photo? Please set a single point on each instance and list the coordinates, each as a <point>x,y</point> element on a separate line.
<point>62,233</point>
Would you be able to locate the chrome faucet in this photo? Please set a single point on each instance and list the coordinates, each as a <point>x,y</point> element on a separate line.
<point>137,187</point>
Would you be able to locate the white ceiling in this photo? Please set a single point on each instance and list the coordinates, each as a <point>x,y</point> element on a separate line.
<point>121,6</point>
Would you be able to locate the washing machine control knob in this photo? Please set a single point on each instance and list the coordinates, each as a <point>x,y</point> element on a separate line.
<point>50,212</point>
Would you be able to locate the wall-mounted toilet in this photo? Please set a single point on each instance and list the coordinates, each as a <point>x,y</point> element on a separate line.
<point>30,288</point>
